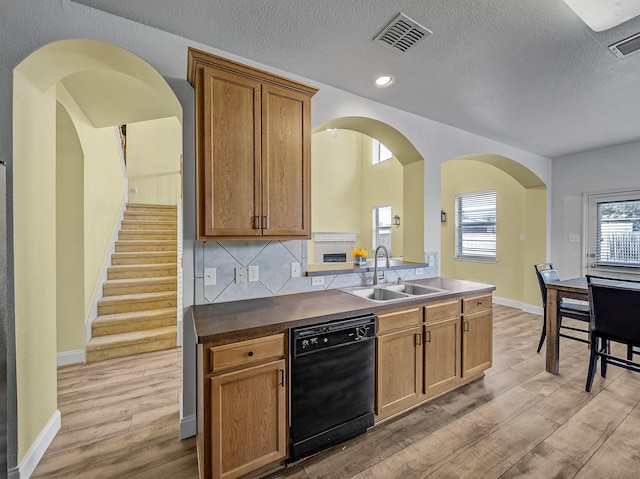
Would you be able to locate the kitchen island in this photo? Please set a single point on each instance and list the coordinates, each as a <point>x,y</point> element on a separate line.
<point>425,346</point>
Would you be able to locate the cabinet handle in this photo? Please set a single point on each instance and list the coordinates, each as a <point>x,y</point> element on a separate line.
<point>466,326</point>
<point>418,339</point>
<point>257,222</point>
<point>250,353</point>
<point>428,336</point>
<point>265,222</point>
<point>282,377</point>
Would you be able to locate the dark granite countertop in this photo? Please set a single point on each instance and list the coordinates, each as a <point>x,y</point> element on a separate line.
<point>221,323</point>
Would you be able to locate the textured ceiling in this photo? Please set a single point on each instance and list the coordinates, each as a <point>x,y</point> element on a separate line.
<point>526,73</point>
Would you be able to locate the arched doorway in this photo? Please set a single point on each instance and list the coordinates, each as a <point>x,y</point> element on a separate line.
<point>69,187</point>
<point>521,232</point>
<point>413,176</point>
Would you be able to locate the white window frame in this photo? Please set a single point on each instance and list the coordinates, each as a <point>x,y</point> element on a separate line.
<point>591,264</point>
<point>379,152</point>
<point>375,221</point>
<point>484,198</point>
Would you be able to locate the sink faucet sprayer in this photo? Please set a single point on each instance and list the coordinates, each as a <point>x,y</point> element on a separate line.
<point>375,267</point>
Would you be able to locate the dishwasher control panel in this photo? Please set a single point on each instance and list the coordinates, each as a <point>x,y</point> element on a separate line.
<point>313,338</point>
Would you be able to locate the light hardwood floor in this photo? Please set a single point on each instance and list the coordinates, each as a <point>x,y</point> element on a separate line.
<point>120,420</point>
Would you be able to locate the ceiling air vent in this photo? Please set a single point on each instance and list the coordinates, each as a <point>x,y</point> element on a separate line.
<point>402,34</point>
<point>627,46</point>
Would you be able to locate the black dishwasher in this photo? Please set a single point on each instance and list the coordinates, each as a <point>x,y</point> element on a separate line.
<point>332,383</point>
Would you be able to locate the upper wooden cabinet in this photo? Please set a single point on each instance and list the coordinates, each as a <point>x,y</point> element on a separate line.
<point>253,151</point>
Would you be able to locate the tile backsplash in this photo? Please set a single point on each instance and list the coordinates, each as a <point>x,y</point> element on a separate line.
<point>273,259</point>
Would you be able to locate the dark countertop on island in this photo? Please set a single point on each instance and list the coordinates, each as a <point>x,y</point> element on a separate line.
<point>221,323</point>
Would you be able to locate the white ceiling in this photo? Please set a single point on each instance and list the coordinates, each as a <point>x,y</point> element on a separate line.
<point>529,73</point>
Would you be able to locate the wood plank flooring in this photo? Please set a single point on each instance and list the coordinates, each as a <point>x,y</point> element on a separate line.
<point>120,420</point>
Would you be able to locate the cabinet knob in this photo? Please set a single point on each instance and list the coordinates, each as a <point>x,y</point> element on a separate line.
<point>250,353</point>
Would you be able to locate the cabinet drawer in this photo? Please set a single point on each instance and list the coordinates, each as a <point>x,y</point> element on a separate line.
<point>442,310</point>
<point>395,320</point>
<point>477,303</point>
<point>248,352</point>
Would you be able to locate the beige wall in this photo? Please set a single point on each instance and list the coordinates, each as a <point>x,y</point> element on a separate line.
<point>346,186</point>
<point>153,161</point>
<point>34,203</point>
<point>519,211</point>
<point>413,207</point>
<point>382,186</point>
<point>70,311</point>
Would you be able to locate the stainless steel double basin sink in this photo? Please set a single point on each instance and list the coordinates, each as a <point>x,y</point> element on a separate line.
<point>392,292</point>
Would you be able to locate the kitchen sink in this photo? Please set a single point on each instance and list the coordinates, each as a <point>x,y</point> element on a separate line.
<point>392,292</point>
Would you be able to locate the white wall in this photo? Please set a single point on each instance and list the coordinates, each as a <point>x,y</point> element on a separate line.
<point>611,168</point>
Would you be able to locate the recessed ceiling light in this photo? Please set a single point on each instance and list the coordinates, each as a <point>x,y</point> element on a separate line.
<point>601,15</point>
<point>385,81</point>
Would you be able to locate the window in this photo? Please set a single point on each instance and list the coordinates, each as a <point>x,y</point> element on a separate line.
<point>613,231</point>
<point>382,227</point>
<point>380,152</point>
<point>476,225</point>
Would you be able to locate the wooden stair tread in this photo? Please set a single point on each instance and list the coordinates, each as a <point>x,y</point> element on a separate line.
<point>138,297</point>
<point>149,254</point>
<point>133,337</point>
<point>137,281</point>
<point>133,315</point>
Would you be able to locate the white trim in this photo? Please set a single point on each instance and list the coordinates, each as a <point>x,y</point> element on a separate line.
<point>529,308</point>
<point>38,448</point>
<point>507,302</point>
<point>188,426</point>
<point>66,358</point>
<point>332,237</point>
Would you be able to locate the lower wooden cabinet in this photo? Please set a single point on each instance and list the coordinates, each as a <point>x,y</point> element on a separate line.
<point>477,340</point>
<point>242,407</point>
<point>441,356</point>
<point>248,419</point>
<point>398,361</point>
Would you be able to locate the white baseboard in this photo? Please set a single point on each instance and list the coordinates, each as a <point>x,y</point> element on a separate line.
<point>38,448</point>
<point>66,358</point>
<point>526,308</point>
<point>188,426</point>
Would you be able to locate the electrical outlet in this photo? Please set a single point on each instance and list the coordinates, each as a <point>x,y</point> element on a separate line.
<point>254,274</point>
<point>574,238</point>
<point>419,271</point>
<point>295,270</point>
<point>317,281</point>
<point>209,276</point>
<point>241,275</point>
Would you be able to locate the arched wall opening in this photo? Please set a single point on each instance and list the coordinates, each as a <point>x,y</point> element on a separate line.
<point>521,225</point>
<point>69,189</point>
<point>413,176</point>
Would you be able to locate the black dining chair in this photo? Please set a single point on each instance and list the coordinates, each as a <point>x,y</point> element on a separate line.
<point>615,317</point>
<point>546,274</point>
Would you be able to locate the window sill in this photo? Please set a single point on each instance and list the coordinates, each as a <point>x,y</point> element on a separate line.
<point>475,259</point>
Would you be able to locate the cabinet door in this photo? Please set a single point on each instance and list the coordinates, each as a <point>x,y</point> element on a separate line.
<point>286,124</point>
<point>398,372</point>
<point>229,156</point>
<point>441,356</point>
<point>248,419</point>
<point>477,342</point>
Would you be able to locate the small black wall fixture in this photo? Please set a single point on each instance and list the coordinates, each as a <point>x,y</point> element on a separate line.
<point>443,216</point>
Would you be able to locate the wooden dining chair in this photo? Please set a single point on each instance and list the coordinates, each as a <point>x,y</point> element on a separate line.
<point>546,274</point>
<point>615,317</point>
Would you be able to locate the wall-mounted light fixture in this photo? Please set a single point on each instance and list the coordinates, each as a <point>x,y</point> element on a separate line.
<point>443,216</point>
<point>396,220</point>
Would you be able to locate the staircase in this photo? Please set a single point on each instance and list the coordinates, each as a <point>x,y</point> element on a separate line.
<point>138,311</point>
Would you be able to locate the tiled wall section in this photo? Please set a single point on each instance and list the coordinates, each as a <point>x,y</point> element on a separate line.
<point>274,260</point>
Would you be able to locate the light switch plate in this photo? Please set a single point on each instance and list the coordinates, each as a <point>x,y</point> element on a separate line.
<point>209,276</point>
<point>317,281</point>
<point>241,275</point>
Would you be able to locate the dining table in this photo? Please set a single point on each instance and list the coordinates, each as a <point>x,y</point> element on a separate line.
<point>574,288</point>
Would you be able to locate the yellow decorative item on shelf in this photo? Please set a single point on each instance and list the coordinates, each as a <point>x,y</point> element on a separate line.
<point>359,256</point>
